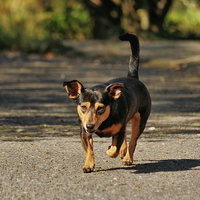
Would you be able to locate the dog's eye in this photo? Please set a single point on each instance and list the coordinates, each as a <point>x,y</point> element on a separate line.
<point>84,108</point>
<point>100,110</point>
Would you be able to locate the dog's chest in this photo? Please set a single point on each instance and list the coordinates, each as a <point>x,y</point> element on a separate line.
<point>109,131</point>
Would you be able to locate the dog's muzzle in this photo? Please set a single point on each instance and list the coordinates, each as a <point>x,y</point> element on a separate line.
<point>90,128</point>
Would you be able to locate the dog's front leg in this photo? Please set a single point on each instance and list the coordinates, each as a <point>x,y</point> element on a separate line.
<point>117,140</point>
<point>112,149</point>
<point>87,143</point>
<point>123,148</point>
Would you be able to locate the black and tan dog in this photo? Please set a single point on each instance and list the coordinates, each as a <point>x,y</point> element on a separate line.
<point>107,108</point>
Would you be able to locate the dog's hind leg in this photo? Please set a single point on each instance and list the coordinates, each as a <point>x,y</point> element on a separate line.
<point>87,143</point>
<point>128,159</point>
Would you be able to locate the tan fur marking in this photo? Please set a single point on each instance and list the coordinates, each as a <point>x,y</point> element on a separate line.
<point>128,159</point>
<point>97,105</point>
<point>87,104</point>
<point>111,131</point>
<point>112,151</point>
<point>89,162</point>
<point>90,116</point>
<point>123,148</point>
<point>83,116</point>
<point>104,116</point>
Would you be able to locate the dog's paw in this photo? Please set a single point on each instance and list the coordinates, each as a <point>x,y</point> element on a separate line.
<point>112,151</point>
<point>127,162</point>
<point>88,169</point>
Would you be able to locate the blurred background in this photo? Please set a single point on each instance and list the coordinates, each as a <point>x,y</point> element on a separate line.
<point>39,26</point>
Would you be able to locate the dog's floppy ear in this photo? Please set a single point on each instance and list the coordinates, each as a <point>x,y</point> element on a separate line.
<point>114,90</point>
<point>74,88</point>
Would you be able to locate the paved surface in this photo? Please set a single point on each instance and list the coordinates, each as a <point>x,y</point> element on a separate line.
<point>40,153</point>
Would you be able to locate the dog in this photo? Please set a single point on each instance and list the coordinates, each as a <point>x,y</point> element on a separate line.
<point>106,109</point>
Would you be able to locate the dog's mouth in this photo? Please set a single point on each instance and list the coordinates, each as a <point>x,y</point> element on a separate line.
<point>90,128</point>
<point>91,131</point>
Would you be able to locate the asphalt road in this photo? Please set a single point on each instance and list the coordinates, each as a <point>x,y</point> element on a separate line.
<point>40,153</point>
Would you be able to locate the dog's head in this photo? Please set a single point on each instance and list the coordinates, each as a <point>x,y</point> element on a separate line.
<point>93,105</point>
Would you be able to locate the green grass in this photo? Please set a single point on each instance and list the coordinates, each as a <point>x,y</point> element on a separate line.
<point>37,26</point>
<point>183,20</point>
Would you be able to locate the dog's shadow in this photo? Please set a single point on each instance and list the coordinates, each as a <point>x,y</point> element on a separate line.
<point>170,165</point>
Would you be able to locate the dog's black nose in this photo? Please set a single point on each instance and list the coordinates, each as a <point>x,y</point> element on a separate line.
<point>90,126</point>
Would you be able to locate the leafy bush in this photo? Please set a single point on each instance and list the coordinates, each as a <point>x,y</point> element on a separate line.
<point>183,20</point>
<point>36,26</point>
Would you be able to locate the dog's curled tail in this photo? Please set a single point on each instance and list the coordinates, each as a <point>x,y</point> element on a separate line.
<point>135,51</point>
